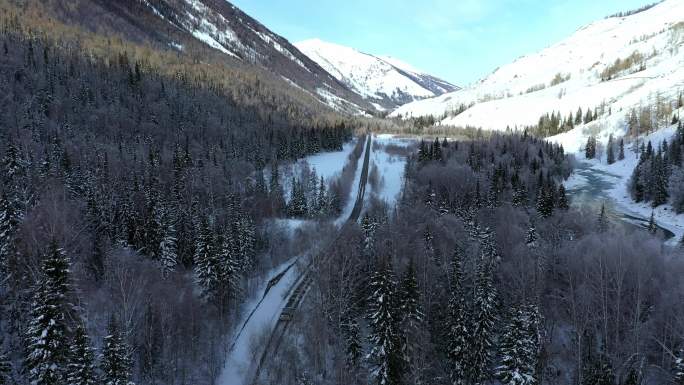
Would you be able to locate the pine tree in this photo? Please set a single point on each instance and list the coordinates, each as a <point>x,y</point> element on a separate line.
<point>652,227</point>
<point>602,223</point>
<point>321,200</point>
<point>206,269</point>
<point>562,201</point>
<point>437,150</point>
<point>8,224</point>
<point>81,370</point>
<point>411,314</point>
<point>610,157</point>
<point>678,369</point>
<point>228,271</point>
<point>520,196</point>
<point>531,238</point>
<point>520,349</point>
<point>457,327</point>
<point>598,371</point>
<point>354,347</point>
<point>621,154</point>
<point>48,347</point>
<point>5,366</point>
<point>116,363</point>
<point>633,378</point>
<point>168,248</point>
<point>421,151</point>
<point>368,226</point>
<point>385,357</point>
<point>277,194</point>
<point>483,332</point>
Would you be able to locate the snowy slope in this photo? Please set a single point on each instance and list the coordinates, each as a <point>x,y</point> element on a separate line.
<point>383,80</point>
<point>517,94</point>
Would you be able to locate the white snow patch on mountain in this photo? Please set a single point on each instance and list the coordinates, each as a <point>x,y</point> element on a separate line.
<point>370,76</point>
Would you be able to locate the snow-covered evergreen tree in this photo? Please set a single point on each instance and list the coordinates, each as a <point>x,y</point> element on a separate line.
<point>48,348</point>
<point>678,369</point>
<point>562,199</point>
<point>115,363</point>
<point>457,324</point>
<point>206,269</point>
<point>483,330</point>
<point>602,223</point>
<point>5,365</point>
<point>368,225</point>
<point>276,192</point>
<point>168,248</point>
<point>354,349</point>
<point>519,347</point>
<point>411,314</point>
<point>598,371</point>
<point>652,227</point>
<point>228,265</point>
<point>610,156</point>
<point>385,357</point>
<point>245,241</point>
<point>621,152</point>
<point>81,369</point>
<point>8,224</point>
<point>532,236</point>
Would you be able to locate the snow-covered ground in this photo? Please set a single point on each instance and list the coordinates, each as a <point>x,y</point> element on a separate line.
<point>502,99</point>
<point>329,165</point>
<point>389,166</point>
<point>259,314</point>
<point>613,182</point>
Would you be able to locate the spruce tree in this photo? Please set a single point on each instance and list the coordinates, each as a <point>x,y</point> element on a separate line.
<point>228,272</point>
<point>354,348</point>
<point>483,330</point>
<point>206,269</point>
<point>437,150</point>
<point>457,324</point>
<point>633,378</point>
<point>602,223</point>
<point>115,363</point>
<point>531,238</point>
<point>48,347</point>
<point>621,154</point>
<point>652,227</point>
<point>277,194</point>
<point>411,314</point>
<point>81,370</point>
<point>678,369</point>
<point>385,357</point>
<point>562,201</point>
<point>610,157</point>
<point>8,224</point>
<point>520,349</point>
<point>5,366</point>
<point>168,248</point>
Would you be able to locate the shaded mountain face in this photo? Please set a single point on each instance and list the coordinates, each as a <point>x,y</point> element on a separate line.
<point>384,81</point>
<point>189,26</point>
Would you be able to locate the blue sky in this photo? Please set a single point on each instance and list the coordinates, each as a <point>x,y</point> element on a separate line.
<point>458,40</point>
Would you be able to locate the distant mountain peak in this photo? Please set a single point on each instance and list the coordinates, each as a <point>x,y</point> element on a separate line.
<point>385,81</point>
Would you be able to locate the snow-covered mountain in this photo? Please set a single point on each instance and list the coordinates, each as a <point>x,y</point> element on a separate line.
<point>617,62</point>
<point>385,81</point>
<point>210,29</point>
